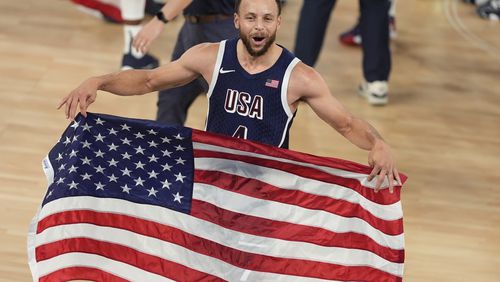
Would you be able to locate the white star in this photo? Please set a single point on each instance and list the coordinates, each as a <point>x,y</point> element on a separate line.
<point>138,182</point>
<point>179,148</point>
<point>63,166</point>
<point>112,131</point>
<point>167,167</point>
<point>178,137</point>
<point>125,127</point>
<point>67,141</point>
<point>99,186</point>
<point>99,154</point>
<point>86,176</point>
<point>152,191</point>
<point>179,177</point>
<point>126,141</point>
<point>152,144</point>
<point>126,189</point>
<point>49,194</point>
<point>152,132</point>
<point>75,138</point>
<point>180,161</point>
<point>126,156</point>
<point>86,144</point>
<point>152,174</point>
<point>73,154</point>
<point>99,169</point>
<point>139,165</point>
<point>72,169</point>
<point>112,178</point>
<point>139,135</point>
<point>112,162</point>
<point>126,171</point>
<point>86,161</point>
<point>166,140</point>
<point>60,180</point>
<point>86,127</point>
<point>99,137</point>
<point>153,158</point>
<point>177,197</point>
<point>59,157</point>
<point>73,185</point>
<point>75,124</point>
<point>139,150</point>
<point>99,121</point>
<point>112,147</point>
<point>167,153</point>
<point>166,184</point>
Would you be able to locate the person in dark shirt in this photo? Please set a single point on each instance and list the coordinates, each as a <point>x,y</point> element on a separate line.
<point>205,21</point>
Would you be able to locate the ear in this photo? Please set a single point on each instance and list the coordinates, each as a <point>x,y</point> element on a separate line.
<point>237,21</point>
<point>278,20</point>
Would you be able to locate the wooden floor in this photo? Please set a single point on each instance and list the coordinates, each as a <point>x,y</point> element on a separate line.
<point>443,120</point>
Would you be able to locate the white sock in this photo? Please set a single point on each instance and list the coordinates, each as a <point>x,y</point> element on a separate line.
<point>129,32</point>
<point>392,10</point>
<point>132,10</point>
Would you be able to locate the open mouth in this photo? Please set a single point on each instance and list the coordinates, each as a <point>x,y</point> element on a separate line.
<point>258,40</point>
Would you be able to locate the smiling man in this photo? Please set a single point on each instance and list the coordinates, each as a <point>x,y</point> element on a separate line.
<point>255,88</point>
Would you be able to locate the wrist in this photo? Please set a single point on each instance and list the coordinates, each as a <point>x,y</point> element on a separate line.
<point>161,17</point>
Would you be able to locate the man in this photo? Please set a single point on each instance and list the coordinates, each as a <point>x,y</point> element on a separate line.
<point>255,88</point>
<point>205,21</point>
<point>374,22</point>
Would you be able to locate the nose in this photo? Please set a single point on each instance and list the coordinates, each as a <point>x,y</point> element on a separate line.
<point>259,24</point>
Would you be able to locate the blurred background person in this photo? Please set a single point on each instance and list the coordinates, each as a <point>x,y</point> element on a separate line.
<point>374,29</point>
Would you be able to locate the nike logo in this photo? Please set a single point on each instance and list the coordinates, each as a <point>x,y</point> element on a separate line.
<point>222,71</point>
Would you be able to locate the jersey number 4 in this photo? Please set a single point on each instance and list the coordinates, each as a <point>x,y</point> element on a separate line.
<point>241,132</point>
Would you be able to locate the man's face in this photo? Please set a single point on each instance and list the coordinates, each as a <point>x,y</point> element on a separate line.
<point>258,22</point>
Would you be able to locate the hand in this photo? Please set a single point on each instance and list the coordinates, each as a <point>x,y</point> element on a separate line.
<point>382,161</point>
<point>148,34</point>
<point>82,96</point>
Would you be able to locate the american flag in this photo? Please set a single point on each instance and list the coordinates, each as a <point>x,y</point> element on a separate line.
<point>133,200</point>
<point>272,83</point>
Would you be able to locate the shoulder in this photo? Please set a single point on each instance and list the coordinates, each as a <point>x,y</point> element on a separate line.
<point>201,56</point>
<point>305,81</point>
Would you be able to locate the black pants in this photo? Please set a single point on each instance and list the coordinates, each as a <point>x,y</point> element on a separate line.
<point>374,26</point>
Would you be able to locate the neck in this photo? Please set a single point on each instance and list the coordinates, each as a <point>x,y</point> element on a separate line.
<point>257,64</point>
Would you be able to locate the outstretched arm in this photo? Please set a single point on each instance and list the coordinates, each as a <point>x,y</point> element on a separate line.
<point>307,85</point>
<point>195,62</point>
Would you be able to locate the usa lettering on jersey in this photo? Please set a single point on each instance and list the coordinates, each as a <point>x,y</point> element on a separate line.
<point>244,104</point>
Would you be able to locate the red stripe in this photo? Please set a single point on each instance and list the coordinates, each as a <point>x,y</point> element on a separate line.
<point>203,246</point>
<point>291,232</point>
<point>150,263</point>
<point>383,197</point>
<point>106,9</point>
<point>259,148</point>
<point>81,273</point>
<point>261,190</point>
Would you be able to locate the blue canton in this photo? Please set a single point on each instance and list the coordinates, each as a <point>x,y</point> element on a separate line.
<point>135,160</point>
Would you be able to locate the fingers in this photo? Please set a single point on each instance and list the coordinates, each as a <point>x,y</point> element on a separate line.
<point>73,107</point>
<point>390,177</point>
<point>396,174</point>
<point>374,173</point>
<point>380,179</point>
<point>83,107</point>
<point>63,100</point>
<point>141,44</point>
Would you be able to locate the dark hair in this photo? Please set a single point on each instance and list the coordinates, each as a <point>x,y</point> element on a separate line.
<point>238,2</point>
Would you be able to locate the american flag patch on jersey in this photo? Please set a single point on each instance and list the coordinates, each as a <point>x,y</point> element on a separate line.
<point>272,83</point>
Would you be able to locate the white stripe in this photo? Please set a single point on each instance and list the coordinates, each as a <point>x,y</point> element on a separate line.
<point>360,177</point>
<point>223,236</point>
<point>284,97</point>
<point>215,75</point>
<point>116,268</point>
<point>289,181</point>
<point>294,214</point>
<point>161,249</point>
<point>48,170</point>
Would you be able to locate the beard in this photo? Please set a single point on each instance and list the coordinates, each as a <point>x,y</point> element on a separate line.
<point>257,53</point>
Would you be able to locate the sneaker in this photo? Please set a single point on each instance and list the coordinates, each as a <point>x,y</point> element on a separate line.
<point>146,62</point>
<point>490,10</point>
<point>352,37</point>
<point>375,92</point>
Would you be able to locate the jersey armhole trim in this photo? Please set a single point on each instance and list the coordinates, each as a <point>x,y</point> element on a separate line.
<point>218,63</point>
<point>284,87</point>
